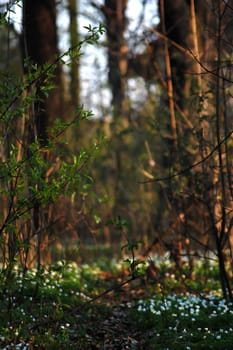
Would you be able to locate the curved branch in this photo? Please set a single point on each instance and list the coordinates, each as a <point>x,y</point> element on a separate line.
<point>185,170</point>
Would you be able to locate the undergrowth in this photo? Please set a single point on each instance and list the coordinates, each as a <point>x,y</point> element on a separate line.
<point>54,309</point>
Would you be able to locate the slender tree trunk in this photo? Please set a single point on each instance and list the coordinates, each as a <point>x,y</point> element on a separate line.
<point>196,52</point>
<point>170,93</point>
<point>115,19</point>
<point>74,40</point>
<point>114,11</point>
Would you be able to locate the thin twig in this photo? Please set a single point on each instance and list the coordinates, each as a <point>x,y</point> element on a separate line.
<point>194,165</point>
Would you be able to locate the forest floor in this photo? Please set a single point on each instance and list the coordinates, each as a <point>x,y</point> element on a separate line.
<point>101,306</point>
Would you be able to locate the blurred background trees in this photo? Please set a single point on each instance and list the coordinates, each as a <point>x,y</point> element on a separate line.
<point>160,85</point>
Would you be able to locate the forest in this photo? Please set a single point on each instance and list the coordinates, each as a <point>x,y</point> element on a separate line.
<point>116,174</point>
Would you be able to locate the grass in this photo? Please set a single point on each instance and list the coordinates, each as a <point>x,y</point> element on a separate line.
<point>53,309</point>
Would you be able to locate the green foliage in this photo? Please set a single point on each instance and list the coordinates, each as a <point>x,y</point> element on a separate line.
<point>135,265</point>
<point>51,308</point>
<point>9,10</point>
<point>36,305</point>
<point>185,322</point>
<point>35,173</point>
<point>120,224</point>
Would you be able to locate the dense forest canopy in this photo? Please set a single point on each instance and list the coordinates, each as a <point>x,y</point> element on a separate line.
<point>156,159</point>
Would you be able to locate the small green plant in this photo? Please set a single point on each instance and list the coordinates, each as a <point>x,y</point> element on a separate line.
<point>135,265</point>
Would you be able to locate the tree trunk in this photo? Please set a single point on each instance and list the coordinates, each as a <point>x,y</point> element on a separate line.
<point>114,12</point>
<point>74,40</point>
<point>41,46</point>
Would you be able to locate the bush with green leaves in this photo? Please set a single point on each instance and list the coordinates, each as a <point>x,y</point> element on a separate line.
<point>36,175</point>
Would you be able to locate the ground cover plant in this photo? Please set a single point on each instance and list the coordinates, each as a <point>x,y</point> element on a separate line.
<point>90,307</point>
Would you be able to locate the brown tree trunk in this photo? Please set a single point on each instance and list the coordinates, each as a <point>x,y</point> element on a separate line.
<point>74,40</point>
<point>114,12</point>
<point>175,18</point>
<point>115,20</point>
<point>40,47</point>
<point>170,92</point>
